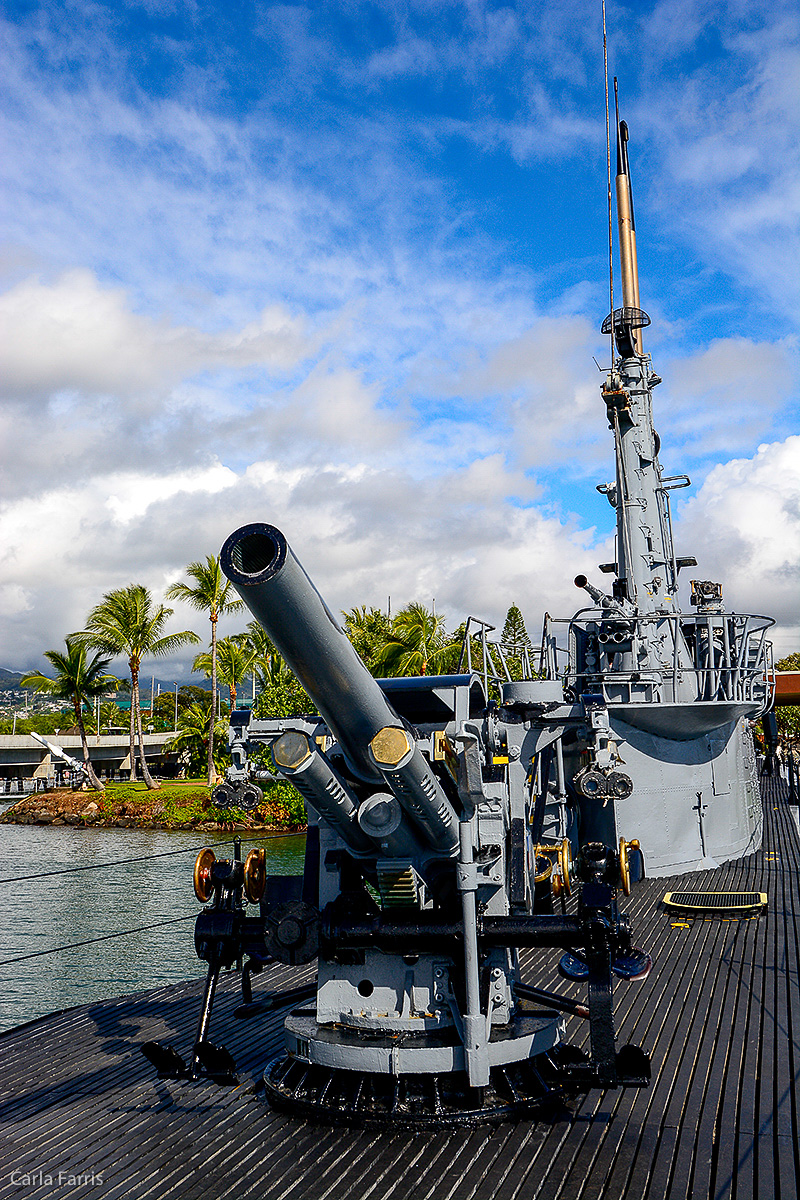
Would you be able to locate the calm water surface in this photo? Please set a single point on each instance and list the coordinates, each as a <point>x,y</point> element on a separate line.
<point>43,914</point>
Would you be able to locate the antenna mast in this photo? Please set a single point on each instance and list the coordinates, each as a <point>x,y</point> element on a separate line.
<point>610,206</point>
<point>627,224</point>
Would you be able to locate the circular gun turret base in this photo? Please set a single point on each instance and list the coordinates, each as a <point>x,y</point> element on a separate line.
<point>374,1079</point>
<point>366,1100</point>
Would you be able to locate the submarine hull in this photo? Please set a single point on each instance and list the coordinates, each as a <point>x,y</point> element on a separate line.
<point>695,802</point>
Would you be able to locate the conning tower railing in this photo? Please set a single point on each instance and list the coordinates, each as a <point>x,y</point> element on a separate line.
<point>490,659</point>
<point>686,658</point>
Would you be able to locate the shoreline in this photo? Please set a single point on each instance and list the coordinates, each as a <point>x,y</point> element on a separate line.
<point>142,810</point>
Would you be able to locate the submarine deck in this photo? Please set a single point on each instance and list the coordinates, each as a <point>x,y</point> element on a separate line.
<point>719,1014</point>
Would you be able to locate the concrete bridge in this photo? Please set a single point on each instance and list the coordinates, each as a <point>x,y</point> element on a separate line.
<point>23,758</point>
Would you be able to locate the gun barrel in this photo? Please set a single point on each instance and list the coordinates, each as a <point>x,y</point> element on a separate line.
<point>260,564</point>
<point>600,598</point>
<point>52,748</point>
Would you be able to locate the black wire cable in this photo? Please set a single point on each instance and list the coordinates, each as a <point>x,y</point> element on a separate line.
<point>100,866</point>
<point>116,862</point>
<point>7,962</point>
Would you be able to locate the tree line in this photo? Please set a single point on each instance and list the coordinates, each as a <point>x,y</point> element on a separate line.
<point>128,623</point>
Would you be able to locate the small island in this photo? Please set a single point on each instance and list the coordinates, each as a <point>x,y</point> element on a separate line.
<point>177,805</point>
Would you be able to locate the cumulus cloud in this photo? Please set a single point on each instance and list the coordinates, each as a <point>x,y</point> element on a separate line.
<point>378,499</point>
<point>726,147</point>
<point>364,534</point>
<point>744,528</point>
<point>549,387</point>
<point>727,395</point>
<point>299,280</point>
<point>76,334</point>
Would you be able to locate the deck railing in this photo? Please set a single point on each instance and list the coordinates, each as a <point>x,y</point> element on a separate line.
<point>701,656</point>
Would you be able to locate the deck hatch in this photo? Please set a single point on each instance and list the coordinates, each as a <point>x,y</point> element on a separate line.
<point>716,901</point>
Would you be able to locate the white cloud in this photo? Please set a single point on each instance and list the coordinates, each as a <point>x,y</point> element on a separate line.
<point>744,528</point>
<point>362,532</point>
<point>724,164</point>
<point>273,301</point>
<point>76,334</point>
<point>727,395</point>
<point>132,495</point>
<point>546,394</point>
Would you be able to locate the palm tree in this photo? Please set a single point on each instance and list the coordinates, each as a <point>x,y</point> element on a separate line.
<point>78,680</point>
<point>194,722</point>
<point>267,665</point>
<point>417,643</point>
<point>127,622</point>
<point>212,594</point>
<point>280,694</point>
<point>235,659</point>
<point>109,714</point>
<point>368,629</point>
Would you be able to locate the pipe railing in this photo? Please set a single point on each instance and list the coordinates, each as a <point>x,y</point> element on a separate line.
<point>727,653</point>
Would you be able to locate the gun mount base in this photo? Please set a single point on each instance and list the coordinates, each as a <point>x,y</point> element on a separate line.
<point>538,1087</point>
<point>369,1080</point>
<point>534,1031</point>
<point>432,1100</point>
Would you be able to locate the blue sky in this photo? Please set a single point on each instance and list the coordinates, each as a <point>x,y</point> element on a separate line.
<point>342,266</point>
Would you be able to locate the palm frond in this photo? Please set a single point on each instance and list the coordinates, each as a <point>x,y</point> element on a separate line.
<point>211,592</point>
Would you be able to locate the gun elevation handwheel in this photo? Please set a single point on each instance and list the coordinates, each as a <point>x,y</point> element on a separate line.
<point>565,865</point>
<point>255,875</point>
<point>203,887</point>
<point>624,867</point>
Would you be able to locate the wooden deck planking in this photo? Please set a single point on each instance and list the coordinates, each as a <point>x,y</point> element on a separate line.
<point>720,1015</point>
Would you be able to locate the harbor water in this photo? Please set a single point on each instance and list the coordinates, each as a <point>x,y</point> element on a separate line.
<point>43,912</point>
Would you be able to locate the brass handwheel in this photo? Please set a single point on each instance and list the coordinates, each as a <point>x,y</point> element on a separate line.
<point>203,887</point>
<point>564,861</point>
<point>624,867</point>
<point>543,868</point>
<point>255,875</point>
<point>562,852</point>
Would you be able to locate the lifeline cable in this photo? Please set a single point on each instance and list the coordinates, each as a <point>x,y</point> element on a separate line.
<point>7,962</point>
<point>116,862</point>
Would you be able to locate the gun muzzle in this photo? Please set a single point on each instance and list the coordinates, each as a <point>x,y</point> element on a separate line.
<point>600,598</point>
<point>261,566</point>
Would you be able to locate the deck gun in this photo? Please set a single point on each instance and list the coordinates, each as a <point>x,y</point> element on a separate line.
<point>448,814</point>
<point>428,887</point>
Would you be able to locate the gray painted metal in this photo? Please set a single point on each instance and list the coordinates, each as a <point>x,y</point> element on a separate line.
<point>466,784</point>
<point>671,695</point>
<point>640,731</point>
<point>327,793</point>
<point>421,795</point>
<point>677,692</point>
<point>720,1015</point>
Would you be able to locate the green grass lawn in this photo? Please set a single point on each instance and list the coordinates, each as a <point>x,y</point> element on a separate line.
<point>175,802</point>
<point>188,801</point>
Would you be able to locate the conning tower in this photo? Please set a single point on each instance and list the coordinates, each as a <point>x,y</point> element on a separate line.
<point>670,696</point>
